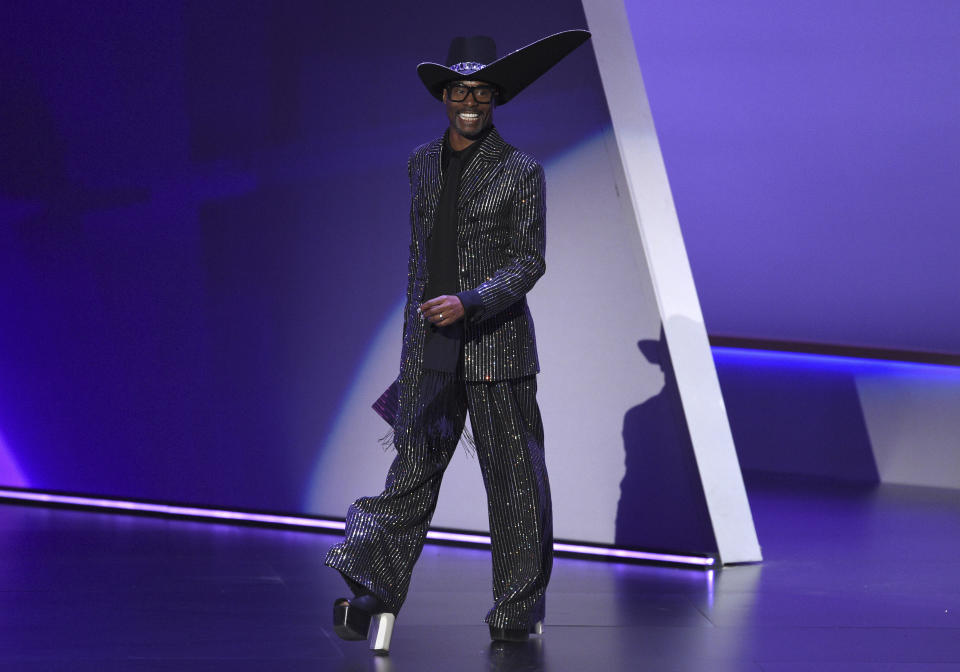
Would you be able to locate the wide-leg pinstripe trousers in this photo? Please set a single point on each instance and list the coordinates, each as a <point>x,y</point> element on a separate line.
<point>385,534</point>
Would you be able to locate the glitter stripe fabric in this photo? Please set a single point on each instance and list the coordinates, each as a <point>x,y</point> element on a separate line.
<point>500,245</point>
<point>385,534</point>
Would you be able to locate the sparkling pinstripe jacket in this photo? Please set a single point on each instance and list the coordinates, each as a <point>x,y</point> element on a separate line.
<point>501,206</point>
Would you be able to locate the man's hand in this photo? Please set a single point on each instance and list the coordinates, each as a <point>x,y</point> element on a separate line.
<point>443,310</point>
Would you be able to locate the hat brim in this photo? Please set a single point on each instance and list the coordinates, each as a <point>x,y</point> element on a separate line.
<point>511,73</point>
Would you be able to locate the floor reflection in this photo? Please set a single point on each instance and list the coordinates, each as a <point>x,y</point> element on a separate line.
<point>509,656</point>
<point>853,580</point>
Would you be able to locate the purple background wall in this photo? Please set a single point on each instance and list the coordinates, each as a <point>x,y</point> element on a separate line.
<point>812,150</point>
<point>203,212</point>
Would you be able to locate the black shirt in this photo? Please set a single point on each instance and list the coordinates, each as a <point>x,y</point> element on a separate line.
<point>443,345</point>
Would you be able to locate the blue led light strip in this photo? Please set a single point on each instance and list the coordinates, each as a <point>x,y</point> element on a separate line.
<point>300,521</point>
<point>844,362</point>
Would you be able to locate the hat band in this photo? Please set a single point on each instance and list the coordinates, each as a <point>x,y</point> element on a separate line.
<point>467,67</point>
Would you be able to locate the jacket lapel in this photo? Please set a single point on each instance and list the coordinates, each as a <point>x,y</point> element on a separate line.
<point>432,181</point>
<point>482,168</point>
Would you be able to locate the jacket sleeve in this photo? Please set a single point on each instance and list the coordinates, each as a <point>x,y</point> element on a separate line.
<point>525,252</point>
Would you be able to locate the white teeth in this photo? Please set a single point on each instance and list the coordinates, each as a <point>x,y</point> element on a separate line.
<point>467,115</point>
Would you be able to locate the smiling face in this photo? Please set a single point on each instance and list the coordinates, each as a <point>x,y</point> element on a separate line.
<point>468,118</point>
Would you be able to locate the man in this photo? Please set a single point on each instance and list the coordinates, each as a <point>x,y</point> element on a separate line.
<point>477,244</point>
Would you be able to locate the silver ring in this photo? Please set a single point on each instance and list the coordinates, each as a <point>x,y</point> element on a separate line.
<point>440,315</point>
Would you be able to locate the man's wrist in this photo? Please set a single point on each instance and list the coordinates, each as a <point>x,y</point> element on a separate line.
<point>471,302</point>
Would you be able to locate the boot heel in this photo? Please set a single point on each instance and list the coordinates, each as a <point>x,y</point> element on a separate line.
<point>381,630</point>
<point>537,628</point>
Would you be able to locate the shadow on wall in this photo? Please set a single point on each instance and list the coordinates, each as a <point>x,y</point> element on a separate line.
<point>662,505</point>
<point>792,417</point>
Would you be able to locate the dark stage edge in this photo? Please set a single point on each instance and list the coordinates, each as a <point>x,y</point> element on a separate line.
<point>854,580</point>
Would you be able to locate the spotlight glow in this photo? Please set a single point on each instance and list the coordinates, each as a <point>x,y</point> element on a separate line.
<point>10,473</point>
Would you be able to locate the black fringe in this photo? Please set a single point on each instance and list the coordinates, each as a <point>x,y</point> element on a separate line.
<point>429,416</point>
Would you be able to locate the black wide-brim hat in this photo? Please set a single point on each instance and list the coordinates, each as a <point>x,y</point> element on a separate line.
<point>475,58</point>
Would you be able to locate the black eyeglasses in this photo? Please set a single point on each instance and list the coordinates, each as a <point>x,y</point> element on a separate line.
<point>459,92</point>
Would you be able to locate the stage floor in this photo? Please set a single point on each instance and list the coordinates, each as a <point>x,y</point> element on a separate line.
<point>854,580</point>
